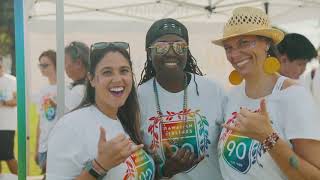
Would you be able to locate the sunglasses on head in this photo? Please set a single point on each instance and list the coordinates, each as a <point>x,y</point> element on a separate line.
<point>74,52</point>
<point>43,66</point>
<point>161,48</point>
<point>103,45</point>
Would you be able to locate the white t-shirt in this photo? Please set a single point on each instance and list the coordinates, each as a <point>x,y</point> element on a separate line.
<point>47,107</point>
<point>73,96</point>
<point>200,133</point>
<point>313,85</point>
<point>74,141</point>
<point>8,86</point>
<point>293,116</point>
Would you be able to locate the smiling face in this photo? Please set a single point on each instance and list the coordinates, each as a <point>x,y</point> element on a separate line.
<point>172,61</point>
<point>246,54</point>
<point>112,80</point>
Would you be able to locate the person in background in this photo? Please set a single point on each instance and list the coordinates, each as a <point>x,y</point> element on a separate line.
<point>272,128</point>
<point>295,52</point>
<point>47,106</point>
<point>76,67</point>
<point>101,138</point>
<point>181,109</point>
<point>8,120</point>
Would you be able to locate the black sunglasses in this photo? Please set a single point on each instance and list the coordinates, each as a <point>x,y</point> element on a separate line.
<point>103,45</point>
<point>43,66</point>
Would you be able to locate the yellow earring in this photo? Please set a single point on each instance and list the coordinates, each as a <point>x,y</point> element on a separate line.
<point>235,78</point>
<point>271,65</point>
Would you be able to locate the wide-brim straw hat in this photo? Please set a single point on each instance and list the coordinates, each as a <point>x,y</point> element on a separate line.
<point>249,21</point>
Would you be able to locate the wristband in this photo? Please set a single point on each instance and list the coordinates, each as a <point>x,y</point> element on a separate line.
<point>88,166</point>
<point>105,170</point>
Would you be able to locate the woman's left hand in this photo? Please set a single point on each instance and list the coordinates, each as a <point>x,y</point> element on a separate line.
<point>256,125</point>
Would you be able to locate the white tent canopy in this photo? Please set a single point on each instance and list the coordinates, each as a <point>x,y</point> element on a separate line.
<point>280,11</point>
<point>128,20</point>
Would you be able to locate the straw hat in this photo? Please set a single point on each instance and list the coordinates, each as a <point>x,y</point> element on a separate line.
<point>249,21</point>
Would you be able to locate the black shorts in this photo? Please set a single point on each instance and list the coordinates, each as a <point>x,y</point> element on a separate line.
<point>6,145</point>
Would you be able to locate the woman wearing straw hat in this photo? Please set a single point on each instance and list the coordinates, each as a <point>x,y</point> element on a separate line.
<point>272,129</point>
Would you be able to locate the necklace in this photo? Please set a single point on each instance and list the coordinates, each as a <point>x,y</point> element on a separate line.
<point>185,105</point>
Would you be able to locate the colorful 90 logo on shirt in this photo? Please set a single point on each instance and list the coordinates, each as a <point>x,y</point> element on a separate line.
<point>237,152</point>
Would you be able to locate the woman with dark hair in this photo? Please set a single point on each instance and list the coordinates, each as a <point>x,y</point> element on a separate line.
<point>296,51</point>
<point>180,108</point>
<point>100,139</point>
<point>272,126</point>
<point>47,106</point>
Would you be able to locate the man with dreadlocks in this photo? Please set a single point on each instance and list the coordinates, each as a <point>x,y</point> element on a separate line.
<point>181,110</point>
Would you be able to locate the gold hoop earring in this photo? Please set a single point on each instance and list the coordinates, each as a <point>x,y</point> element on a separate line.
<point>235,78</point>
<point>271,65</point>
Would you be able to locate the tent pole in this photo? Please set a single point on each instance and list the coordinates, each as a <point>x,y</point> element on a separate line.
<point>28,92</point>
<point>19,44</point>
<point>60,57</point>
<point>266,7</point>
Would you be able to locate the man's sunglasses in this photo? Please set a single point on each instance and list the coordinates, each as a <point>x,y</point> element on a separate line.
<point>161,48</point>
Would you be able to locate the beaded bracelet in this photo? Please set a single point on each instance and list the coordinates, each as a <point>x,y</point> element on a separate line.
<point>269,142</point>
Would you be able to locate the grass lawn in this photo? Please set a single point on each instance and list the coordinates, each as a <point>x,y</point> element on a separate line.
<point>33,168</point>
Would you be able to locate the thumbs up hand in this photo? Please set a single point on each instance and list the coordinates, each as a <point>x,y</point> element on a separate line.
<point>114,151</point>
<point>256,125</point>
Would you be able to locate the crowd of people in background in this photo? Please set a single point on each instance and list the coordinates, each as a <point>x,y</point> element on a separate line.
<point>176,123</point>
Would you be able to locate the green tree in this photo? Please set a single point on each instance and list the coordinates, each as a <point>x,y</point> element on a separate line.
<point>7,31</point>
